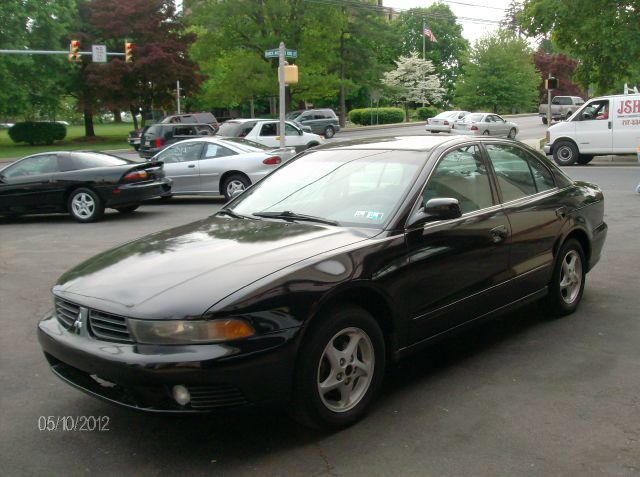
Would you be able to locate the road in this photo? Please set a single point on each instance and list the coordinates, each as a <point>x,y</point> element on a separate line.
<point>521,395</point>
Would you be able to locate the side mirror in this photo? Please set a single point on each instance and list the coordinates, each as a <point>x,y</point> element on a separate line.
<point>444,208</point>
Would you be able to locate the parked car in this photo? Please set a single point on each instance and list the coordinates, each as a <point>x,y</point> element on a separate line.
<point>134,136</point>
<point>321,121</point>
<point>562,107</point>
<point>265,131</point>
<point>217,166</point>
<point>82,183</point>
<point>444,121</point>
<point>604,125</point>
<point>301,289</point>
<point>487,124</point>
<point>192,118</point>
<point>159,136</point>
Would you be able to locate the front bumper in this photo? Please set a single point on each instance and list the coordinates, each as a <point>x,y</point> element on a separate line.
<point>218,376</point>
<point>547,149</point>
<point>132,194</point>
<point>438,128</point>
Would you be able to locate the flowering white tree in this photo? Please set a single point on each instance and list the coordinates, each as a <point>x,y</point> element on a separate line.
<point>414,81</point>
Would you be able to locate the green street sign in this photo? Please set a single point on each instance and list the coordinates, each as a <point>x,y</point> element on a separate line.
<point>275,52</point>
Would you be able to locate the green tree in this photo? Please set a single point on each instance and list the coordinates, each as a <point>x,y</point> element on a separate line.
<point>602,36</point>
<point>447,53</point>
<point>499,75</point>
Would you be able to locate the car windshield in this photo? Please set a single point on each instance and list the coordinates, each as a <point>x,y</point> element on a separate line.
<point>473,118</point>
<point>446,114</point>
<point>293,115</point>
<point>351,187</point>
<point>231,129</point>
<point>245,144</point>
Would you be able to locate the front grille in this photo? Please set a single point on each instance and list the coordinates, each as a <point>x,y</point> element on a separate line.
<point>66,312</point>
<point>108,327</point>
<point>216,395</point>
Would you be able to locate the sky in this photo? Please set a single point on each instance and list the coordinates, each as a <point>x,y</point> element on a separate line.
<point>465,10</point>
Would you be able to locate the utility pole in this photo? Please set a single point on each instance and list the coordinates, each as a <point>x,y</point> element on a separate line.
<point>281,128</point>
<point>178,94</point>
<point>549,102</point>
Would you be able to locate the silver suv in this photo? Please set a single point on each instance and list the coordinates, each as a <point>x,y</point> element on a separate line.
<point>321,121</point>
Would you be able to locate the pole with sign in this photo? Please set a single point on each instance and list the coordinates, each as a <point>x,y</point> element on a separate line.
<point>281,53</point>
<point>99,53</point>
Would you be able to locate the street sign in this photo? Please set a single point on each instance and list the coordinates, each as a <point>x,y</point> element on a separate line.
<point>275,52</point>
<point>99,53</point>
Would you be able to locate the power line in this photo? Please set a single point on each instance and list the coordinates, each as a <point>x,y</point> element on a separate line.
<point>474,5</point>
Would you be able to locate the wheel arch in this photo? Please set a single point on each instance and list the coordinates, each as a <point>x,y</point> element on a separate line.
<point>564,138</point>
<point>230,173</point>
<point>72,188</point>
<point>581,237</point>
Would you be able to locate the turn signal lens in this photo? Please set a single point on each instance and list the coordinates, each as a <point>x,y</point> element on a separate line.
<point>136,175</point>
<point>189,331</point>
<point>271,161</point>
<point>474,128</point>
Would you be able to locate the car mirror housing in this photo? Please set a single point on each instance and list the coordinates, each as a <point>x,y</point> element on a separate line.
<point>442,208</point>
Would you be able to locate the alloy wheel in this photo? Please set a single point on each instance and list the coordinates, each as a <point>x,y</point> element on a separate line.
<point>570,277</point>
<point>83,205</point>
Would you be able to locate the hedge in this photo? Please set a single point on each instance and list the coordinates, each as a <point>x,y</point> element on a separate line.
<point>364,116</point>
<point>37,132</point>
<point>426,112</point>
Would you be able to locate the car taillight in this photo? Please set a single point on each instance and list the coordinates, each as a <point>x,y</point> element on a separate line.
<point>474,128</point>
<point>272,161</point>
<point>446,123</point>
<point>136,175</point>
<point>158,142</point>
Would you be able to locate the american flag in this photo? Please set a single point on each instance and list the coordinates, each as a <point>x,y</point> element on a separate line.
<point>428,33</point>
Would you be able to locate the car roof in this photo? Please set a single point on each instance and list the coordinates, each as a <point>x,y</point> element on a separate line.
<point>402,143</point>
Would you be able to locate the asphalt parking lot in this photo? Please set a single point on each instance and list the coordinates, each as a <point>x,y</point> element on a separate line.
<point>517,395</point>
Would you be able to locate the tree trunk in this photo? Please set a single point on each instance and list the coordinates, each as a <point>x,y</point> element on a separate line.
<point>252,111</point>
<point>88,123</point>
<point>406,112</point>
<point>117,116</point>
<point>343,93</point>
<point>134,116</point>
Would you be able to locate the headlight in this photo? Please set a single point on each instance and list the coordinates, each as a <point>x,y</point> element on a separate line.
<point>189,331</point>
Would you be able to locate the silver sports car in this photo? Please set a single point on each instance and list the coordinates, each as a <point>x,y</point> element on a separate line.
<point>444,121</point>
<point>488,124</point>
<point>218,166</point>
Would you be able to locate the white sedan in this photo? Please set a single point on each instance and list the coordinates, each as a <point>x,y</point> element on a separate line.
<point>486,124</point>
<point>444,121</point>
<point>218,166</point>
<point>265,131</point>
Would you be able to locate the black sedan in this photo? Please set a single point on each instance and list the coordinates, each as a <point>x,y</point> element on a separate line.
<point>80,183</point>
<point>299,290</point>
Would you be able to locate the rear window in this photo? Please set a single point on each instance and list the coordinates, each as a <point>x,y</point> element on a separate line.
<point>473,118</point>
<point>246,144</point>
<point>86,160</point>
<point>153,131</point>
<point>235,128</point>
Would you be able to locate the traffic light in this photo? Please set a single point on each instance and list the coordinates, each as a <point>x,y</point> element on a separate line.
<point>128,52</point>
<point>551,83</point>
<point>74,51</point>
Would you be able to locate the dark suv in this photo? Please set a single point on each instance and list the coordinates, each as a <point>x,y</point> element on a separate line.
<point>321,121</point>
<point>193,118</point>
<point>159,136</point>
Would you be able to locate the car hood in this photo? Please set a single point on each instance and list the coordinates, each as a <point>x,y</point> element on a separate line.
<point>181,272</point>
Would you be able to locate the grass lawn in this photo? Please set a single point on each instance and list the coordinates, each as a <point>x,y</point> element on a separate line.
<point>108,136</point>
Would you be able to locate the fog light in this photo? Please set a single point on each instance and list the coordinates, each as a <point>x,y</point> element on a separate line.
<point>181,395</point>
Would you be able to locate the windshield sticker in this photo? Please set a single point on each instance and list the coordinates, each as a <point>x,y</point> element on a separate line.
<point>375,215</point>
<point>360,213</point>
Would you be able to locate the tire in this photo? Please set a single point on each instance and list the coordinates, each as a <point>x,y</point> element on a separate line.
<point>486,132</point>
<point>312,144</point>
<point>335,330</point>
<point>166,198</point>
<point>233,183</point>
<point>512,133</point>
<point>544,120</point>
<point>136,147</point>
<point>85,205</point>
<point>584,159</point>
<point>565,153</point>
<point>329,132</point>
<point>567,282</point>
<point>127,210</point>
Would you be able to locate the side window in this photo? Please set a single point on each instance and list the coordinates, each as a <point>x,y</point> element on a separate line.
<point>181,152</point>
<point>215,150</point>
<point>461,175</point>
<point>289,130</point>
<point>269,129</point>
<point>512,171</point>
<point>32,166</point>
<point>246,129</point>
<point>541,175</point>
<point>596,110</point>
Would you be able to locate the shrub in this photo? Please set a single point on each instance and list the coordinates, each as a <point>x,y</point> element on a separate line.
<point>37,132</point>
<point>365,116</point>
<point>426,112</point>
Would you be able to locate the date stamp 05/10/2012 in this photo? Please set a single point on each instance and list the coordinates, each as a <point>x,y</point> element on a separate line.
<point>74,423</point>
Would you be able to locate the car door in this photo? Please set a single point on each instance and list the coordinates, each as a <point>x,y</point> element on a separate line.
<point>530,200</point>
<point>182,164</point>
<point>267,134</point>
<point>502,127</point>
<point>293,136</point>
<point>29,185</point>
<point>593,129</point>
<point>457,266</point>
<point>212,166</point>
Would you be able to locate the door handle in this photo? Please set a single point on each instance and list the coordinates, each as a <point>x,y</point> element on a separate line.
<point>191,166</point>
<point>561,212</point>
<point>498,234</point>
<point>609,124</point>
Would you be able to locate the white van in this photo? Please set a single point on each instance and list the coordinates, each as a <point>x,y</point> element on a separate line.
<point>603,126</point>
